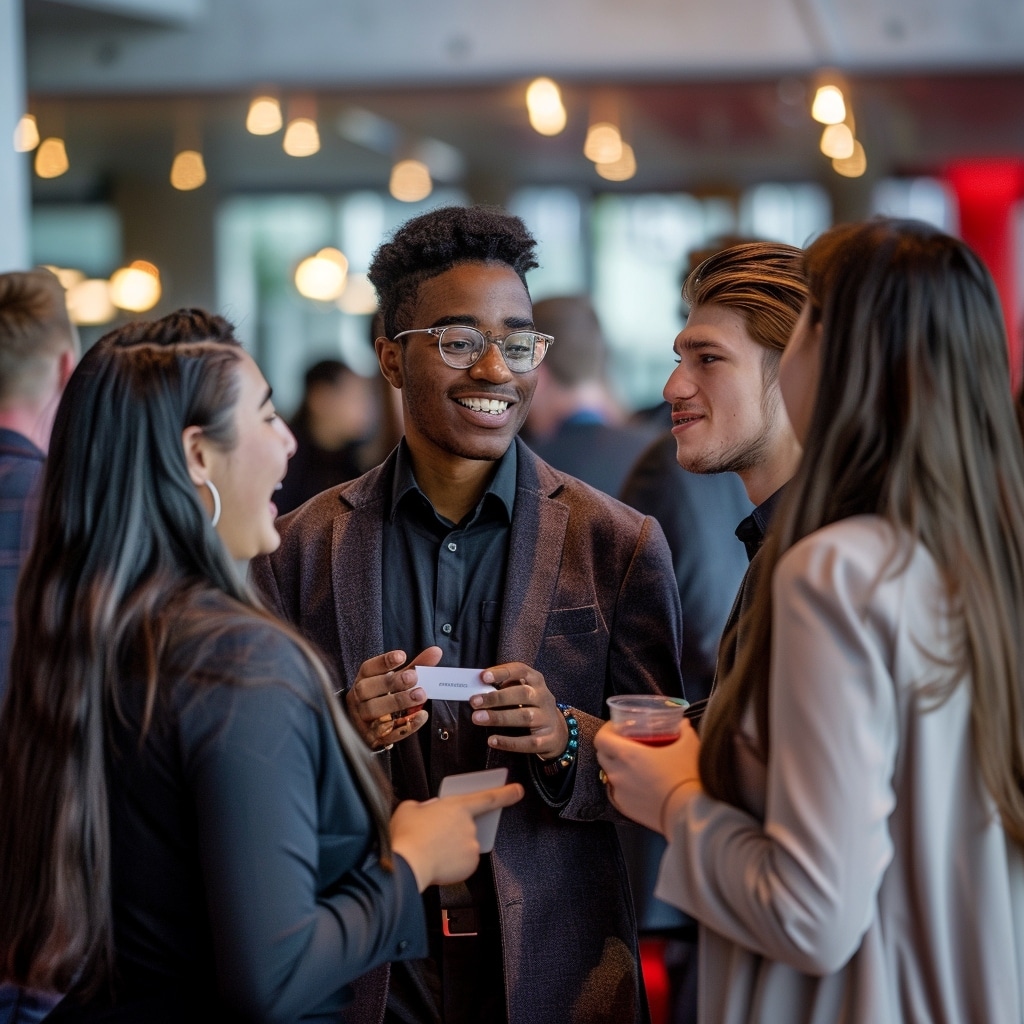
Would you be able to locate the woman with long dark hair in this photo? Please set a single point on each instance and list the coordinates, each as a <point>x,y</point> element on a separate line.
<point>191,828</point>
<point>849,828</point>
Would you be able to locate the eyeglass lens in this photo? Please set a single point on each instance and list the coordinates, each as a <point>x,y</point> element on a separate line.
<point>461,347</point>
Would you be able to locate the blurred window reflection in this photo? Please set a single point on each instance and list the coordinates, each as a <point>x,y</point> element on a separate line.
<point>627,250</point>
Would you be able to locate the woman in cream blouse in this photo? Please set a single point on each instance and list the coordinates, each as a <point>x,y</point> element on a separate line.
<point>848,829</point>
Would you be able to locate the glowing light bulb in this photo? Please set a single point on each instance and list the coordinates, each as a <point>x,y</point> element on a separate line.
<point>603,144</point>
<point>89,302</point>
<point>619,170</point>
<point>136,287</point>
<point>67,276</point>
<point>828,107</point>
<point>264,117</point>
<point>26,134</point>
<point>188,170</point>
<point>51,158</point>
<point>410,181</point>
<point>322,277</point>
<point>544,107</point>
<point>359,296</point>
<point>853,166</point>
<point>837,141</point>
<point>301,137</point>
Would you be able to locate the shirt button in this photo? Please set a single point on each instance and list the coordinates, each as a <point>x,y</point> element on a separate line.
<point>443,733</point>
<point>446,628</point>
<point>452,546</point>
<point>403,945</point>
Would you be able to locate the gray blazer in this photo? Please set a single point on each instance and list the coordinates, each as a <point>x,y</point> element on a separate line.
<point>591,602</point>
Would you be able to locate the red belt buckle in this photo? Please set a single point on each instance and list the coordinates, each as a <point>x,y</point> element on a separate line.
<point>456,924</point>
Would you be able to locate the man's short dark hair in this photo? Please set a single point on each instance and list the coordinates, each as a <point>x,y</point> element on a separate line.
<point>434,242</point>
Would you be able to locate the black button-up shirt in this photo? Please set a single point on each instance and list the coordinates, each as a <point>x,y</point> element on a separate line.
<point>752,530</point>
<point>443,586</point>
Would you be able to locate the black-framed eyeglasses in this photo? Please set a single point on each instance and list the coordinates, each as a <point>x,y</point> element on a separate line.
<point>461,346</point>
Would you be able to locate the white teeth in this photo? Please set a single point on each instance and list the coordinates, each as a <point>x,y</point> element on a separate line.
<point>493,406</point>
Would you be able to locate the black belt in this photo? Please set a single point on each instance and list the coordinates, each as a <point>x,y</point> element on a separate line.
<point>459,922</point>
<point>458,914</point>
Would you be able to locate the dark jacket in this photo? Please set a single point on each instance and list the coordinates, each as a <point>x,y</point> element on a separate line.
<point>245,886</point>
<point>21,470</point>
<point>591,602</point>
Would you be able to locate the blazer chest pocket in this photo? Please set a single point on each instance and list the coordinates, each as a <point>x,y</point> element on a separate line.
<point>567,621</point>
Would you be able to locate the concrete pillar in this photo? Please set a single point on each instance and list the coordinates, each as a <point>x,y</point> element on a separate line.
<point>14,167</point>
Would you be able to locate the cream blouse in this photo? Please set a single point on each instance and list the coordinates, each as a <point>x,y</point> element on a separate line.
<point>868,880</point>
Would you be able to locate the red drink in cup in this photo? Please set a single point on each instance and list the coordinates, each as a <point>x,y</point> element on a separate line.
<point>658,741</point>
<point>648,718</point>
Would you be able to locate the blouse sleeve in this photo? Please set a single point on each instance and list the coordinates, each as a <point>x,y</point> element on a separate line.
<point>800,887</point>
<point>254,755</point>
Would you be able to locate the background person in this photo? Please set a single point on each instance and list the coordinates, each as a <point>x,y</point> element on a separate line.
<point>849,828</point>
<point>333,421</point>
<point>732,448</point>
<point>727,409</point>
<point>192,830</point>
<point>38,349</point>
<point>575,424</point>
<point>464,546</point>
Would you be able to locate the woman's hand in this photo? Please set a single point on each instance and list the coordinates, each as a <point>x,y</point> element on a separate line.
<point>641,780</point>
<point>438,837</point>
<point>384,702</point>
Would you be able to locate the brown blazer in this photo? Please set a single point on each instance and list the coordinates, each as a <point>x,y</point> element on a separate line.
<point>591,602</point>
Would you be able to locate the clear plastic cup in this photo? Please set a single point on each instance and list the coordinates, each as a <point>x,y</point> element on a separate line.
<point>648,718</point>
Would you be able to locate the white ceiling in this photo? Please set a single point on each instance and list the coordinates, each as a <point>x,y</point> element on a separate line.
<point>713,92</point>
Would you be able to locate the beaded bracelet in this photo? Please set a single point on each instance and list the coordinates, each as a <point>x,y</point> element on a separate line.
<point>566,758</point>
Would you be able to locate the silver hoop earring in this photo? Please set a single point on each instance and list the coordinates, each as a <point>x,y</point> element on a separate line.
<point>216,502</point>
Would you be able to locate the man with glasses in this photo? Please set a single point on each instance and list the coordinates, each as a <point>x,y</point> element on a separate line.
<point>464,549</point>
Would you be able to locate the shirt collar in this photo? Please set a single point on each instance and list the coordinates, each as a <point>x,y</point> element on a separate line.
<point>501,488</point>
<point>752,530</point>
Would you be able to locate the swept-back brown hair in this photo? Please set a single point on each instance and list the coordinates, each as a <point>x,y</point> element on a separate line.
<point>913,421</point>
<point>763,283</point>
<point>112,600</point>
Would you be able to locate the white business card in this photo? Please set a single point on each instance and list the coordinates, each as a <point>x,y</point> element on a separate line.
<point>473,782</point>
<point>443,683</point>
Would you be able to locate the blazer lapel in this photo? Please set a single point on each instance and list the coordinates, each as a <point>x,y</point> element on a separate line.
<point>356,541</point>
<point>537,537</point>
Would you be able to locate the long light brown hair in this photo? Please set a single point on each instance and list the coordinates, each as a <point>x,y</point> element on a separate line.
<point>913,421</point>
<point>123,557</point>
